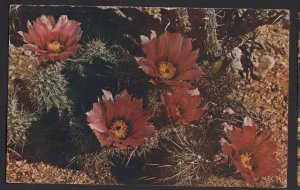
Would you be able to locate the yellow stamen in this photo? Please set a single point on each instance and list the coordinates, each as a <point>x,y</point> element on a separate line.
<point>167,70</point>
<point>54,47</point>
<point>119,129</point>
<point>246,161</point>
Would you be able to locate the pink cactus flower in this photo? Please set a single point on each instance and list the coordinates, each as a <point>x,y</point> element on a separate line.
<point>169,59</point>
<point>254,156</point>
<point>182,105</point>
<point>50,40</point>
<point>120,121</point>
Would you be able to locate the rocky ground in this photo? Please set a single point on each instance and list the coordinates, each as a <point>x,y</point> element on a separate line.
<point>20,171</point>
<point>266,97</point>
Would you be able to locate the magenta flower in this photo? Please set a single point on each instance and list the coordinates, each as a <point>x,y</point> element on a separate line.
<point>50,40</point>
<point>169,59</point>
<point>182,105</point>
<point>120,121</point>
<point>253,155</point>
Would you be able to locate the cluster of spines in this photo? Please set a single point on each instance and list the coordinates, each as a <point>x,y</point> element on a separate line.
<point>49,89</point>
<point>22,63</point>
<point>19,121</point>
<point>97,49</point>
<point>189,165</point>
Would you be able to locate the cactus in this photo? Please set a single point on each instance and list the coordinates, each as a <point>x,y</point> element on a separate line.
<point>189,159</point>
<point>109,161</point>
<point>82,137</point>
<point>125,74</point>
<point>18,120</point>
<point>48,89</point>
<point>98,166</point>
<point>182,20</point>
<point>152,144</point>
<point>114,66</point>
<point>152,101</point>
<point>181,160</point>
<point>154,12</point>
<point>22,63</point>
<point>97,49</point>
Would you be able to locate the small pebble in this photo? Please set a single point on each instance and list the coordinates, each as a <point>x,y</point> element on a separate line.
<point>229,111</point>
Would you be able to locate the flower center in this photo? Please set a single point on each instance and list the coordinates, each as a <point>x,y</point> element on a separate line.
<point>55,47</point>
<point>119,129</point>
<point>246,161</point>
<point>167,70</point>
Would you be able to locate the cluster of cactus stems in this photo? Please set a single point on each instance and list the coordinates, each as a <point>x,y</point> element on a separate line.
<point>48,89</point>
<point>189,164</point>
<point>114,66</point>
<point>22,64</point>
<point>40,87</point>
<point>19,120</point>
<point>187,159</point>
<point>97,49</point>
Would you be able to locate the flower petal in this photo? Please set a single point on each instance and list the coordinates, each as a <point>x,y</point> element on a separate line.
<point>96,118</point>
<point>191,74</point>
<point>104,139</point>
<point>226,147</point>
<point>185,63</point>
<point>107,95</point>
<point>176,83</point>
<point>147,66</point>
<point>44,30</point>
<point>248,121</point>
<point>139,136</point>
<point>181,105</point>
<point>194,92</point>
<point>186,49</point>
<point>71,28</point>
<point>262,152</point>
<point>190,116</point>
<point>48,21</point>
<point>122,107</point>
<point>62,21</point>
<point>174,47</point>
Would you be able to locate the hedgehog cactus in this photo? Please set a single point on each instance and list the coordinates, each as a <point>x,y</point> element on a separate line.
<point>96,49</point>
<point>151,11</point>
<point>97,165</point>
<point>48,89</point>
<point>22,63</point>
<point>189,160</point>
<point>18,121</point>
<point>154,143</point>
<point>80,134</point>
